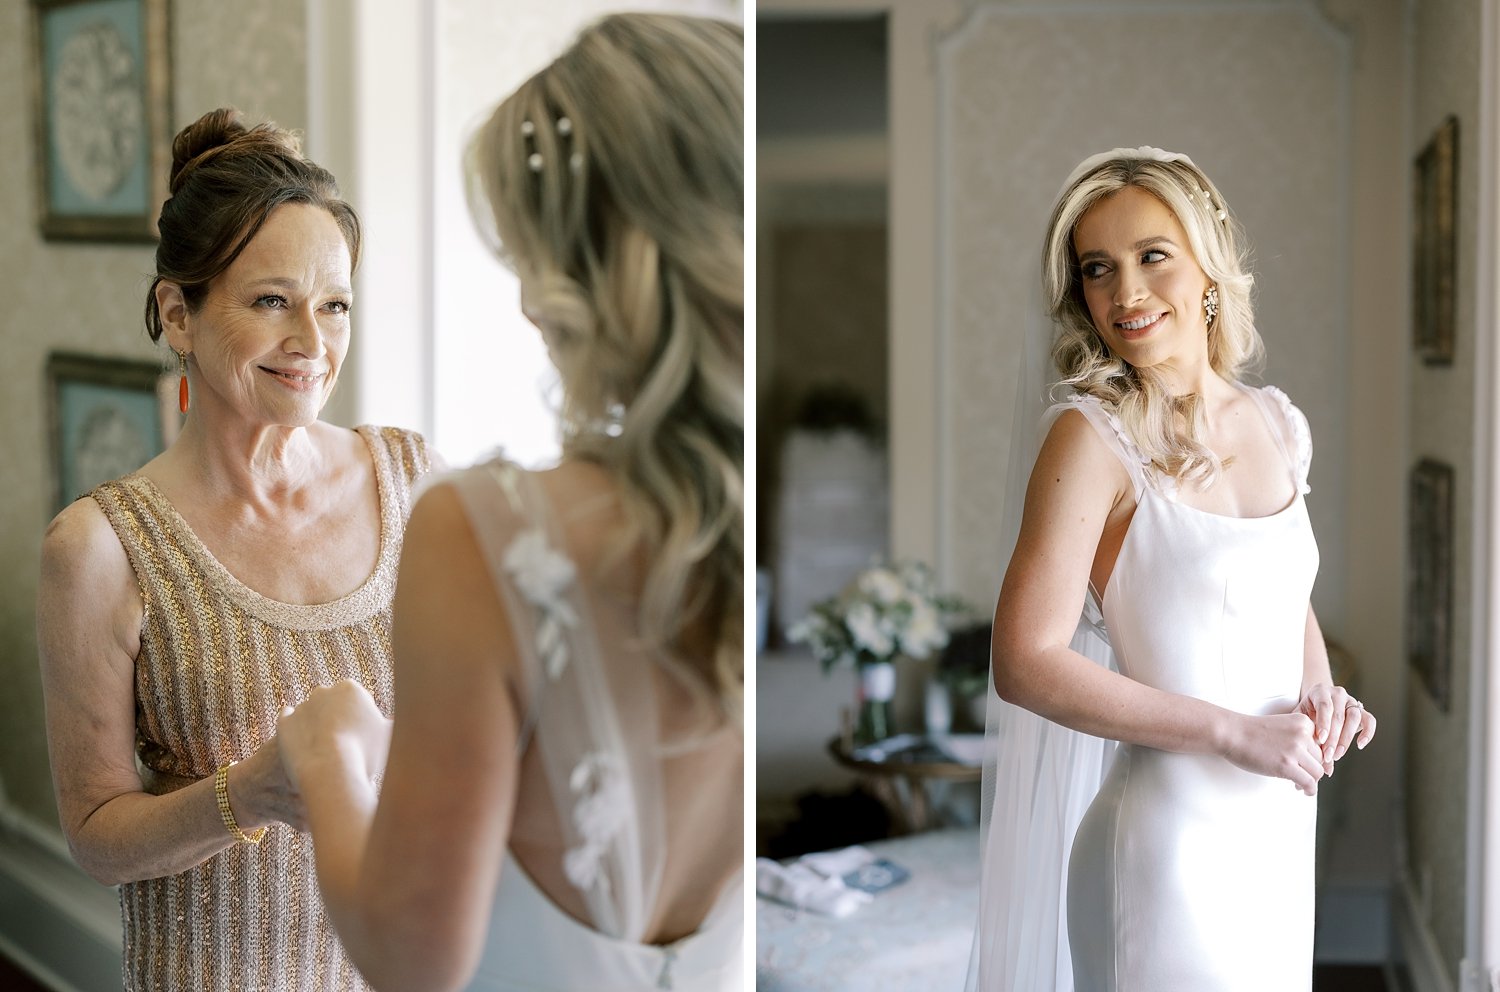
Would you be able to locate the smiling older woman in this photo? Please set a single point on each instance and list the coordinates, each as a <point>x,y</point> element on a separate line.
<point>181,607</point>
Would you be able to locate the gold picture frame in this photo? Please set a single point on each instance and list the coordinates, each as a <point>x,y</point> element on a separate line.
<point>1429,578</point>
<point>101,102</point>
<point>106,417</point>
<point>1434,252</point>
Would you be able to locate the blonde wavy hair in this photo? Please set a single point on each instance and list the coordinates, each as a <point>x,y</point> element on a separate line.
<point>614,179</point>
<point>1167,428</point>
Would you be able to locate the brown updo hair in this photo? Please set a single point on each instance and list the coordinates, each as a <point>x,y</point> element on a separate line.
<point>226,179</point>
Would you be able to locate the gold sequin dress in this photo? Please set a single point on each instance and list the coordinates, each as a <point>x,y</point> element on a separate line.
<point>218,661</point>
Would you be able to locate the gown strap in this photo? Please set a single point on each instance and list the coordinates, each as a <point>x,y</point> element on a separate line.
<point>591,719</point>
<point>1279,409</point>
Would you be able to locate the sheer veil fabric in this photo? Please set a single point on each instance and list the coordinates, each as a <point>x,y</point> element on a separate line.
<point>1039,777</point>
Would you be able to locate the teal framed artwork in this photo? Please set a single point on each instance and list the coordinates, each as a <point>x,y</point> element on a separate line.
<point>107,417</point>
<point>101,101</point>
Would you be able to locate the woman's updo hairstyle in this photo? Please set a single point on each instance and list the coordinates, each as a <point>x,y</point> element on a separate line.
<point>226,179</point>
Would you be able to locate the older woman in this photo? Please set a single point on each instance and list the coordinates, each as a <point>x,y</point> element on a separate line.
<point>181,607</point>
<point>562,807</point>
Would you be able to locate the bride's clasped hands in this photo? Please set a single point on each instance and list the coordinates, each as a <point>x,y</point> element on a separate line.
<point>1339,720</point>
<point>1302,745</point>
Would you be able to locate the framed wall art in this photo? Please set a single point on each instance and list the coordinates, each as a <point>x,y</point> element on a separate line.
<point>101,104</point>
<point>108,417</point>
<point>1434,256</point>
<point>1429,577</point>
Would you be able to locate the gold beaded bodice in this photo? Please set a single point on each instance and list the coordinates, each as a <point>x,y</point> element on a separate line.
<point>217,663</point>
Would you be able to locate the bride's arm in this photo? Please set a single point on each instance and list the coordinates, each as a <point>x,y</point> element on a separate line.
<point>1074,486</point>
<point>409,883</point>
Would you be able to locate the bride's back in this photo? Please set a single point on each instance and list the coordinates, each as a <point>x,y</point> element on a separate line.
<point>629,806</point>
<point>696,750</point>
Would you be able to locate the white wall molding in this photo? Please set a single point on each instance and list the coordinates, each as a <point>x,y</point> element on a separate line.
<point>1482,933</point>
<point>56,923</point>
<point>1418,943</point>
<point>370,81</point>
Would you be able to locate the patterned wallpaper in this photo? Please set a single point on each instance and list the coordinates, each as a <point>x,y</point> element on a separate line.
<point>1445,67</point>
<point>1257,94</point>
<point>88,298</point>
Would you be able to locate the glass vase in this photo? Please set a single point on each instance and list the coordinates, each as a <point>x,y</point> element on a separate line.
<point>877,689</point>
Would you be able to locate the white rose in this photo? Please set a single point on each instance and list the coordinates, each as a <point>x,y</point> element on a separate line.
<point>801,631</point>
<point>882,585</point>
<point>867,630</point>
<point>925,633</point>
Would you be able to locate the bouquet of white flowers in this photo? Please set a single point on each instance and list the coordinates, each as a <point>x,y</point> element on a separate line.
<point>888,610</point>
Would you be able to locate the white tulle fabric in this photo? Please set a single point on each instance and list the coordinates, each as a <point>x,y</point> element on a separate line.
<point>592,716</point>
<point>1039,777</point>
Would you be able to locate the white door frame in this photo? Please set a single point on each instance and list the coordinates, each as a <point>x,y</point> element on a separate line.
<point>915,442</point>
<point>1482,930</point>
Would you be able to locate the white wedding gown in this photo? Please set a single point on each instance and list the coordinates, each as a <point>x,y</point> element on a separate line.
<point>593,743</point>
<point>1187,873</point>
<point>532,946</point>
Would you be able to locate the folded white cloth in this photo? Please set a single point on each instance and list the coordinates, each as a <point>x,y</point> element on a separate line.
<point>839,862</point>
<point>800,885</point>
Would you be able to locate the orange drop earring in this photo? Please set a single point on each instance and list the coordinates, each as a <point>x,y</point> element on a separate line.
<point>182,387</point>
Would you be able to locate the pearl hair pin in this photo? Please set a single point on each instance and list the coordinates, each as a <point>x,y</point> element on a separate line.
<point>564,128</point>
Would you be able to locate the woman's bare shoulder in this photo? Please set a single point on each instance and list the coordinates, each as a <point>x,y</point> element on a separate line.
<point>1074,442</point>
<point>80,537</point>
<point>1077,469</point>
<point>86,577</point>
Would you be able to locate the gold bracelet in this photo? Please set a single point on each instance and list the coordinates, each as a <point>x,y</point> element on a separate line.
<point>221,793</point>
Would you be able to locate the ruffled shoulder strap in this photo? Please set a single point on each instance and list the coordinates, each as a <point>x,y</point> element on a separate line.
<point>1297,430</point>
<point>593,726</point>
<point>1112,431</point>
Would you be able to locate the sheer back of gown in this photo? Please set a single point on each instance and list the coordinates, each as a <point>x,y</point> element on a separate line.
<point>623,864</point>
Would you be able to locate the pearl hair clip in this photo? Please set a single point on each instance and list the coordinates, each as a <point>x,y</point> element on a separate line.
<point>564,128</point>
<point>1221,213</point>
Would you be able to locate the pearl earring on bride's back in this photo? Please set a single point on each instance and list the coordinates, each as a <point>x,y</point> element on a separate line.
<point>1211,304</point>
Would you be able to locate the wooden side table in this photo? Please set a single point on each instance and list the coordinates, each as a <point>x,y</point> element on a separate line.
<point>901,784</point>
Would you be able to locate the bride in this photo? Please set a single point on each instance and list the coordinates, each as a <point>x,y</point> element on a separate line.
<point>562,804</point>
<point>1166,510</point>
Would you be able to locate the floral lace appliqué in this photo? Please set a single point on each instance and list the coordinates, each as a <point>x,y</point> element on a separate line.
<point>1301,435</point>
<point>543,576</point>
<point>600,809</point>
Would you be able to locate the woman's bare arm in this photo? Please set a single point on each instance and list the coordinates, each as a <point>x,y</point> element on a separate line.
<point>1075,486</point>
<point>409,884</point>
<point>89,612</point>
